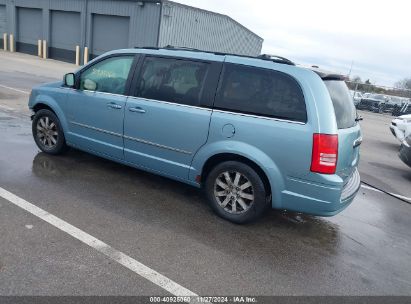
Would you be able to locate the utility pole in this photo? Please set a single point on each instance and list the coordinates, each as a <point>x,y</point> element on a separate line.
<point>349,73</point>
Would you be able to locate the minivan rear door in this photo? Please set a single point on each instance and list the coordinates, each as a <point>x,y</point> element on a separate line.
<point>349,132</point>
<point>167,120</point>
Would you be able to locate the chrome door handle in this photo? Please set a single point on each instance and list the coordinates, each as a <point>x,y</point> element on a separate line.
<point>114,106</point>
<point>137,110</point>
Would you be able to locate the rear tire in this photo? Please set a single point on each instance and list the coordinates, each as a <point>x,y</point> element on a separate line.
<point>48,133</point>
<point>236,192</point>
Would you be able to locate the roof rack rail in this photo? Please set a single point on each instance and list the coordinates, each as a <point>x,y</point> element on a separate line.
<point>147,47</point>
<point>183,48</point>
<point>275,58</point>
<point>174,48</point>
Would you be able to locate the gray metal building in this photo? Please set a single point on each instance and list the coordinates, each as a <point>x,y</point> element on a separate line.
<point>103,25</point>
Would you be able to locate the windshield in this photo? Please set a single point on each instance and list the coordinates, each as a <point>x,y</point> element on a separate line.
<point>343,106</point>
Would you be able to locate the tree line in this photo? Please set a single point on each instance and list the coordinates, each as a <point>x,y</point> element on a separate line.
<point>401,88</point>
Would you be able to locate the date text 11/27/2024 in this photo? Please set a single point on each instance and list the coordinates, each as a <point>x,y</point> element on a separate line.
<point>200,299</point>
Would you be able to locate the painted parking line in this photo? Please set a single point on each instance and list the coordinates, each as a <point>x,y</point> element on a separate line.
<point>117,256</point>
<point>393,194</point>
<point>7,108</point>
<point>14,89</point>
<point>371,188</point>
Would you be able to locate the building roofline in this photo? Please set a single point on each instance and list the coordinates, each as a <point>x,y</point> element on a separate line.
<point>213,13</point>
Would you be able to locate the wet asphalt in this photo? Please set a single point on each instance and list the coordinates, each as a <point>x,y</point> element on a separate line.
<point>166,225</point>
<point>380,165</point>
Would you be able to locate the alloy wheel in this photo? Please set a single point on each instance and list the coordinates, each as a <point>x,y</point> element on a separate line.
<point>234,192</point>
<point>47,132</point>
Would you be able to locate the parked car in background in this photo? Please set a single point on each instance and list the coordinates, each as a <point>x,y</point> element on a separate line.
<point>405,109</point>
<point>254,132</point>
<point>401,127</point>
<point>405,151</point>
<point>392,104</point>
<point>372,102</point>
<point>356,96</point>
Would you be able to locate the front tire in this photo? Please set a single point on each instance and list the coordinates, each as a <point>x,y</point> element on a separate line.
<point>236,192</point>
<point>48,133</point>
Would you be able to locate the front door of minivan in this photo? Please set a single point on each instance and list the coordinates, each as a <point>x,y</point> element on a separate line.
<point>168,120</point>
<point>96,108</point>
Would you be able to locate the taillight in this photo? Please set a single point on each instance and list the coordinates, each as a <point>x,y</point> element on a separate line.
<point>325,153</point>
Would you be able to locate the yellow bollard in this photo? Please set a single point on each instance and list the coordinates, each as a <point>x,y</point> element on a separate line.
<point>5,41</point>
<point>77,55</point>
<point>11,43</point>
<point>39,51</point>
<point>85,55</point>
<point>44,49</point>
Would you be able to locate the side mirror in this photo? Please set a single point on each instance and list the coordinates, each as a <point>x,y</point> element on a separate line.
<point>69,80</point>
<point>89,85</point>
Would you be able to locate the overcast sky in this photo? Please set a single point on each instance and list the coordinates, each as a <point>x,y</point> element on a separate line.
<point>374,35</point>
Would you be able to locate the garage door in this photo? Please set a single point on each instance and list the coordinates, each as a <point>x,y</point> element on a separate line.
<point>65,35</point>
<point>109,33</point>
<point>2,23</point>
<point>29,29</point>
<point>2,20</point>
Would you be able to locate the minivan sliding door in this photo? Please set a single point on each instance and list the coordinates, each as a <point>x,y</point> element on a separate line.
<point>167,121</point>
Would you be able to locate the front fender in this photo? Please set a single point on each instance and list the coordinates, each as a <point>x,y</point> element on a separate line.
<point>245,150</point>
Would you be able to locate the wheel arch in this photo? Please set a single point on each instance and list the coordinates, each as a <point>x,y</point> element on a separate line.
<point>53,107</point>
<point>42,106</point>
<point>219,151</point>
<point>223,157</point>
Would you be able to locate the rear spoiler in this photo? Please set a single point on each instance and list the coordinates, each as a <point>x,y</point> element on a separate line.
<point>326,75</point>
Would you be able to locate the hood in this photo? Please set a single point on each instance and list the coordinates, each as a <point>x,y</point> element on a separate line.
<point>55,84</point>
<point>408,117</point>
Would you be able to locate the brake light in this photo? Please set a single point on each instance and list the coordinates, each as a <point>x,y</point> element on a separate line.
<point>325,153</point>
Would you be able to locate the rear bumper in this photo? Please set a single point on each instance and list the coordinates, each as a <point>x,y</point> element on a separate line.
<point>320,199</point>
<point>405,154</point>
<point>360,106</point>
<point>399,134</point>
<point>367,106</point>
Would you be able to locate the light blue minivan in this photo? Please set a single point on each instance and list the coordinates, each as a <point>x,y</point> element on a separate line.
<point>253,132</point>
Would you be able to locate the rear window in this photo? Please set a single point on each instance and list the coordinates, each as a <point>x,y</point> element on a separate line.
<point>343,105</point>
<point>261,92</point>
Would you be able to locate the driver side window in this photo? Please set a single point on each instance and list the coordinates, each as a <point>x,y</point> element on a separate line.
<point>108,76</point>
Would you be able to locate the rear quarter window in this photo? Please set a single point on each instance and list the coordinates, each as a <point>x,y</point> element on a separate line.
<point>344,108</point>
<point>261,92</point>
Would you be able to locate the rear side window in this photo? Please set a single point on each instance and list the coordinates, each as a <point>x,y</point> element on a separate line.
<point>172,80</point>
<point>343,104</point>
<point>261,92</point>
